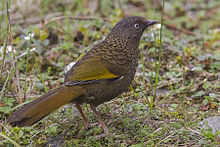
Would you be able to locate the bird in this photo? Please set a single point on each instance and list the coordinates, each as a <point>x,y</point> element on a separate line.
<point>102,74</point>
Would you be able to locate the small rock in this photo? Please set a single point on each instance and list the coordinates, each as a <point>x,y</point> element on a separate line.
<point>212,122</point>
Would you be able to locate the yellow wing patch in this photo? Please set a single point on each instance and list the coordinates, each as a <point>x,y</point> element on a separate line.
<point>91,69</point>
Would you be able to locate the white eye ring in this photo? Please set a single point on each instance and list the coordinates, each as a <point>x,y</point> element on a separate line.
<point>136,26</point>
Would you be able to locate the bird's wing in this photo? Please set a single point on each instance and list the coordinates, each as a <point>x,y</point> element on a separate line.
<point>91,68</point>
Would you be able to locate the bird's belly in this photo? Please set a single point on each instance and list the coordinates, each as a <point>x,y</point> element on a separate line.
<point>99,93</point>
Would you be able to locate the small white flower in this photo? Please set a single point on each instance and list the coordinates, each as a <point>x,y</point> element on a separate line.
<point>155,29</point>
<point>157,26</point>
<point>33,49</point>
<point>8,49</point>
<point>215,31</point>
<point>27,38</point>
<point>30,35</point>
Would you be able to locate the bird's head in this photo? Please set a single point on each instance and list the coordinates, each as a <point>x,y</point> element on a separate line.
<point>131,28</point>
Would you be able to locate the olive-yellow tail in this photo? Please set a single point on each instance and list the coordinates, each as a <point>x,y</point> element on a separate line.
<point>44,105</point>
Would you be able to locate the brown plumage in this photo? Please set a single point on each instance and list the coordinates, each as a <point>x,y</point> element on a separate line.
<point>100,75</point>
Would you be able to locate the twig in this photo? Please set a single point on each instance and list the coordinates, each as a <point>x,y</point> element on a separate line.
<point>6,82</point>
<point>169,136</point>
<point>157,130</point>
<point>29,96</point>
<point>181,29</point>
<point>194,131</point>
<point>19,20</point>
<point>4,52</point>
<point>56,17</point>
<point>17,85</point>
<point>142,92</point>
<point>74,18</point>
<point>27,65</point>
<point>25,53</point>
<point>160,54</point>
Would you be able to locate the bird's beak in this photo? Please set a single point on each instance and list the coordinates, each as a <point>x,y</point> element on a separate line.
<point>151,22</point>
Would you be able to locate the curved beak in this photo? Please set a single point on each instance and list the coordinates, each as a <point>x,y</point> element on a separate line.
<point>151,22</point>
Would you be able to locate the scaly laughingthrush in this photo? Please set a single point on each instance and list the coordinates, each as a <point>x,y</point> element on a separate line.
<point>100,75</point>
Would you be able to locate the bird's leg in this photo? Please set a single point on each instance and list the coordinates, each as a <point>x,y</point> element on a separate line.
<point>99,118</point>
<point>83,116</point>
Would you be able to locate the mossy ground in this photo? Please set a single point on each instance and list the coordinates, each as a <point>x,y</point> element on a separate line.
<point>187,92</point>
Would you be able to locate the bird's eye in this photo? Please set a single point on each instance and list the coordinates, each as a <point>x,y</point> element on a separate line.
<point>136,26</point>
